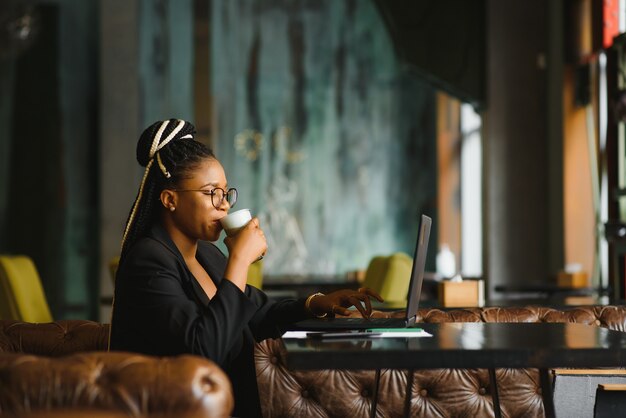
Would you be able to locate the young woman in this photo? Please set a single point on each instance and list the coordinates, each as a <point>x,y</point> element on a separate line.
<point>177,293</point>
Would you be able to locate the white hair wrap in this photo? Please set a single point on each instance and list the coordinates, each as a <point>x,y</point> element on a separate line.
<point>157,144</point>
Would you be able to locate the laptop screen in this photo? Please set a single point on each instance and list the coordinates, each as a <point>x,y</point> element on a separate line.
<point>419,264</point>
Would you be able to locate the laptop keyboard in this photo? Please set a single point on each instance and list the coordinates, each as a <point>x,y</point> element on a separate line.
<point>377,321</point>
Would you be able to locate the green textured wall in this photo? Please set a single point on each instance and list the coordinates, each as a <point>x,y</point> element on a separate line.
<point>328,138</point>
<point>165,60</point>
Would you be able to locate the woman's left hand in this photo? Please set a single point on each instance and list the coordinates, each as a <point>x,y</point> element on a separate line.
<point>337,302</point>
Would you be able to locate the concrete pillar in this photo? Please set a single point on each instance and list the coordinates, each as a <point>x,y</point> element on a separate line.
<point>517,152</point>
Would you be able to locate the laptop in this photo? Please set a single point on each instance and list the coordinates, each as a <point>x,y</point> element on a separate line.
<point>413,297</point>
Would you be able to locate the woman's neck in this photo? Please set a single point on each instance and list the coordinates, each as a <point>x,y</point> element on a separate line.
<point>187,246</point>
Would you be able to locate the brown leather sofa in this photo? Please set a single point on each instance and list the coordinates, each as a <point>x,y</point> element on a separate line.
<point>436,393</point>
<point>60,369</point>
<point>46,370</point>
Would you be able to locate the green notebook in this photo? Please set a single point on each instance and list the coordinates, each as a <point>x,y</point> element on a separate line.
<point>407,330</point>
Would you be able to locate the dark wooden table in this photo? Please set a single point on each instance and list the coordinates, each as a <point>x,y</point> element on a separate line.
<point>470,345</point>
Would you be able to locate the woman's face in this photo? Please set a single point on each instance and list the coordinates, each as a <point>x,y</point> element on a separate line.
<point>195,216</point>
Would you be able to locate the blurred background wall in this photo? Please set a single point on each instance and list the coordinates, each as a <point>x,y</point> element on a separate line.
<point>338,120</point>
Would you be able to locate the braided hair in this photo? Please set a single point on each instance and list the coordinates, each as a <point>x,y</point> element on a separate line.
<point>169,152</point>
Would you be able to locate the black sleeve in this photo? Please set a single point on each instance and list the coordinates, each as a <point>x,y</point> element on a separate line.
<point>156,295</point>
<point>273,318</point>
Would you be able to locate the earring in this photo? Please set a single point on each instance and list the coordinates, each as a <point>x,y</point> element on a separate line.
<point>172,208</point>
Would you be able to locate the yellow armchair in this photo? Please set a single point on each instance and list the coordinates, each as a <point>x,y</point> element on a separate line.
<point>390,276</point>
<point>21,294</point>
<point>114,263</point>
<point>255,274</point>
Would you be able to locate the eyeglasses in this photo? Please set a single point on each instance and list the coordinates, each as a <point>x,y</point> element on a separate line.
<point>218,195</point>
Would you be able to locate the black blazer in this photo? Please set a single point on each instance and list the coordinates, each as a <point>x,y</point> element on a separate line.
<point>161,309</point>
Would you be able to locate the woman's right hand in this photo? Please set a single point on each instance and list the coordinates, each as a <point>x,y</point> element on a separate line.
<point>248,244</point>
<point>244,248</point>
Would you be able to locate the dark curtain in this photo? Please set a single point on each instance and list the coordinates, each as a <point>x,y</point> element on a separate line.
<point>48,140</point>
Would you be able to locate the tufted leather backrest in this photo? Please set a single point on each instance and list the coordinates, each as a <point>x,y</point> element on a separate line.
<point>53,338</point>
<point>612,317</point>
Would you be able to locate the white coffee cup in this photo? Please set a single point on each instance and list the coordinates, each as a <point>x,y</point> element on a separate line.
<point>234,221</point>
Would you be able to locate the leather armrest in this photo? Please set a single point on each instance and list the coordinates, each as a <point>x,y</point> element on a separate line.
<point>117,382</point>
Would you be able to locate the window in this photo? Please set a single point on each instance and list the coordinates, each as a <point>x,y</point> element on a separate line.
<point>459,155</point>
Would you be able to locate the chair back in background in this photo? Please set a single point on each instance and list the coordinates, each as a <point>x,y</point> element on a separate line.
<point>255,274</point>
<point>574,391</point>
<point>114,263</point>
<point>610,400</point>
<point>390,276</point>
<point>21,293</point>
